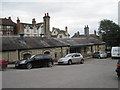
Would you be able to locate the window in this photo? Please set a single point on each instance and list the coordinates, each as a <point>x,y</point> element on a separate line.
<point>34,30</point>
<point>47,52</point>
<point>38,57</point>
<point>77,55</point>
<point>60,36</point>
<point>27,55</point>
<point>8,27</point>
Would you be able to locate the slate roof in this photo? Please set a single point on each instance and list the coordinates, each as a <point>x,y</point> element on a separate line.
<point>17,43</point>
<point>25,43</point>
<point>6,22</point>
<point>80,41</point>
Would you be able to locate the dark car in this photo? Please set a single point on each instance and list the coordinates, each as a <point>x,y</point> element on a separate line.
<point>38,60</point>
<point>99,54</point>
<point>108,53</point>
<point>3,64</point>
<point>118,68</point>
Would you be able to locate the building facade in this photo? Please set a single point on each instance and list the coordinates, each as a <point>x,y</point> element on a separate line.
<point>7,26</point>
<point>57,33</point>
<point>16,48</point>
<point>34,29</point>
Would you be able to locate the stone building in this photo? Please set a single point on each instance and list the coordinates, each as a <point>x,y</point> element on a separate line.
<point>7,26</point>
<point>57,33</point>
<point>18,47</point>
<point>83,45</point>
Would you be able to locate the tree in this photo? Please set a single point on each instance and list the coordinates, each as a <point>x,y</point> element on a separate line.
<point>110,32</point>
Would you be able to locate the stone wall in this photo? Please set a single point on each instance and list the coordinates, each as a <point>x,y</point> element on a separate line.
<point>56,53</point>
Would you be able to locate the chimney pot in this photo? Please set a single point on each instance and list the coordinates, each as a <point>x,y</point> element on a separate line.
<point>18,21</point>
<point>33,21</point>
<point>45,14</point>
<point>9,18</point>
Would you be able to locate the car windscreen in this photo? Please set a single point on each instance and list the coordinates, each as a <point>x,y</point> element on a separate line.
<point>69,55</point>
<point>32,56</point>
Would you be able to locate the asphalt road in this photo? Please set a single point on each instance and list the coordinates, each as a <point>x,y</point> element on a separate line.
<point>94,73</point>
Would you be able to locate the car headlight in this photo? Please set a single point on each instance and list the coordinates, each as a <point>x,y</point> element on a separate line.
<point>22,62</point>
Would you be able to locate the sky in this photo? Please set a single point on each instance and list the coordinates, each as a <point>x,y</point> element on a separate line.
<point>74,14</point>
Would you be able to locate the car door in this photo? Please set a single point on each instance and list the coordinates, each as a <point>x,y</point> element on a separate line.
<point>73,58</point>
<point>78,58</point>
<point>37,60</point>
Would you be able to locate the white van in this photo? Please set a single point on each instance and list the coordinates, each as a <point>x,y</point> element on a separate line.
<point>115,52</point>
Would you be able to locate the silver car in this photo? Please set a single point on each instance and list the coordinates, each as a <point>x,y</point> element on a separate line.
<point>71,58</point>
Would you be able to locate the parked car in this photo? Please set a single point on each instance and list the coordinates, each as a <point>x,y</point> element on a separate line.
<point>108,53</point>
<point>99,54</point>
<point>71,58</point>
<point>118,68</point>
<point>38,60</point>
<point>3,64</point>
<point>115,52</point>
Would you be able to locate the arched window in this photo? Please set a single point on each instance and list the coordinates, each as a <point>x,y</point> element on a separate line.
<point>26,55</point>
<point>47,52</point>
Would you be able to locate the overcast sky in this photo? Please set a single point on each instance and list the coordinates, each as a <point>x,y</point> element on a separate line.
<point>72,13</point>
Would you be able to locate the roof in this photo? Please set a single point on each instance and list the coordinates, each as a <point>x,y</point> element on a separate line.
<point>80,41</point>
<point>17,43</point>
<point>6,22</point>
<point>25,43</point>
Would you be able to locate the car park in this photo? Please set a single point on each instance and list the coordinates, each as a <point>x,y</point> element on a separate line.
<point>39,60</point>
<point>3,64</point>
<point>71,58</point>
<point>99,54</point>
<point>118,68</point>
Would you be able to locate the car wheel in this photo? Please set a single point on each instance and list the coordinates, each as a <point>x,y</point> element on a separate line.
<point>69,62</point>
<point>29,66</point>
<point>82,61</point>
<point>50,64</point>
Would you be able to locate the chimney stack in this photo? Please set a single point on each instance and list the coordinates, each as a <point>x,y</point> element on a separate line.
<point>86,31</point>
<point>33,21</point>
<point>95,34</point>
<point>18,21</point>
<point>47,14</point>
<point>66,29</point>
